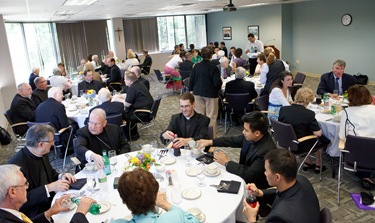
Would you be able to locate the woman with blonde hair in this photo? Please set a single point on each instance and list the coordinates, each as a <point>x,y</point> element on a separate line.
<point>131,61</point>
<point>304,124</point>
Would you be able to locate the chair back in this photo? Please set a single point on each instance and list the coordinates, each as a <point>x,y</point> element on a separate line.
<point>115,86</point>
<point>299,78</point>
<point>8,116</point>
<point>185,82</point>
<point>325,216</point>
<point>115,119</point>
<point>361,152</point>
<point>262,102</point>
<point>293,90</point>
<point>284,136</point>
<point>158,74</point>
<point>185,74</point>
<point>155,108</point>
<point>237,102</point>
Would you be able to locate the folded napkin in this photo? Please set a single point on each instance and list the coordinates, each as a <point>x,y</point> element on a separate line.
<point>206,158</point>
<point>78,185</point>
<point>231,187</point>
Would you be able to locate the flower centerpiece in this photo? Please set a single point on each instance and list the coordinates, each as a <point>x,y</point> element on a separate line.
<point>90,95</point>
<point>142,160</point>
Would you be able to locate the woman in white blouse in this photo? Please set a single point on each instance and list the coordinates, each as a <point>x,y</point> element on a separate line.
<point>280,95</point>
<point>359,119</point>
<point>131,61</point>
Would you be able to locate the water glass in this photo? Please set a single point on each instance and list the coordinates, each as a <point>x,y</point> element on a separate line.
<point>187,155</point>
<point>67,202</point>
<point>201,178</point>
<point>112,159</point>
<point>176,194</point>
<point>91,184</point>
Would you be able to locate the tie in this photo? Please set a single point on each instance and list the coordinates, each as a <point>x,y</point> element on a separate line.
<point>337,84</point>
<point>225,73</point>
<point>25,218</point>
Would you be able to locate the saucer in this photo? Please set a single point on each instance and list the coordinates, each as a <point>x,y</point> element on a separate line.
<point>104,206</point>
<point>193,171</point>
<point>93,170</point>
<point>152,150</point>
<point>212,175</point>
<point>168,160</point>
<point>201,217</point>
<point>191,193</point>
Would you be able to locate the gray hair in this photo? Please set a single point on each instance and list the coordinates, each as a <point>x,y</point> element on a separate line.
<point>340,63</point>
<point>34,69</point>
<point>104,95</point>
<point>94,57</point>
<point>240,72</point>
<point>130,76</point>
<point>136,70</point>
<point>99,112</point>
<point>21,85</point>
<point>223,60</point>
<point>221,53</point>
<point>9,177</point>
<point>52,91</point>
<point>56,71</point>
<point>38,133</point>
<point>36,80</point>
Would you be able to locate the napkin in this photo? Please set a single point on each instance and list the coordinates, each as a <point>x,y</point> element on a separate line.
<point>206,158</point>
<point>78,185</point>
<point>231,187</point>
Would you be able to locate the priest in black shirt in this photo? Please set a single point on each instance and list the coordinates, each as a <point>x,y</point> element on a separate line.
<point>89,83</point>
<point>188,125</point>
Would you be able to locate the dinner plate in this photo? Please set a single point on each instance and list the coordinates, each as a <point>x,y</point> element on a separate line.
<point>218,171</point>
<point>191,193</point>
<point>152,150</point>
<point>201,217</point>
<point>193,171</point>
<point>168,160</point>
<point>104,206</point>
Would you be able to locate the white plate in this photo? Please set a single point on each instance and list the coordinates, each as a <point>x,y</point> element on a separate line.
<point>93,170</point>
<point>104,206</point>
<point>152,150</point>
<point>72,108</point>
<point>212,175</point>
<point>168,160</point>
<point>201,217</point>
<point>193,171</point>
<point>191,193</point>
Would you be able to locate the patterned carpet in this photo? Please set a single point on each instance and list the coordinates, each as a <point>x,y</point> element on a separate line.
<point>325,189</point>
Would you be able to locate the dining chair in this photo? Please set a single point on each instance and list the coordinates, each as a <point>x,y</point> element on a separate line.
<point>325,216</point>
<point>161,77</point>
<point>57,137</point>
<point>185,84</point>
<point>262,102</point>
<point>235,103</point>
<point>117,86</point>
<point>185,74</point>
<point>286,138</point>
<point>116,120</point>
<point>299,78</point>
<point>21,139</point>
<point>357,155</point>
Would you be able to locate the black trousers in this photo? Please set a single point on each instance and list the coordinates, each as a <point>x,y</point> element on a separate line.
<point>253,63</point>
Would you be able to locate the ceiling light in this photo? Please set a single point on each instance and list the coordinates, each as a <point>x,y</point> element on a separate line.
<point>66,13</point>
<point>78,2</point>
<point>172,7</point>
<point>253,5</point>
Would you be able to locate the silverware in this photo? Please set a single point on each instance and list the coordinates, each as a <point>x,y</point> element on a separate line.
<point>170,182</point>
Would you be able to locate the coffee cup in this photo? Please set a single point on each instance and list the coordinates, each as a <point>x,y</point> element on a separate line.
<point>212,168</point>
<point>147,148</point>
<point>195,151</point>
<point>195,211</point>
<point>90,166</point>
<point>160,168</point>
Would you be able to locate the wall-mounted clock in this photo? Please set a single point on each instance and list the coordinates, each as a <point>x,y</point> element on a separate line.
<point>346,19</point>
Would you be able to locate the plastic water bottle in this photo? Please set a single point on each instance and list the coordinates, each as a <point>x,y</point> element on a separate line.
<point>94,208</point>
<point>107,163</point>
<point>102,178</point>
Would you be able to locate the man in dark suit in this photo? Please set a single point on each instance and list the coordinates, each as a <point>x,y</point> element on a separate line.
<point>239,85</point>
<point>54,112</point>
<point>335,80</point>
<point>294,199</point>
<point>138,97</point>
<point>188,125</point>
<point>22,108</point>
<point>186,66</point>
<point>146,63</point>
<point>225,69</point>
<point>34,74</point>
<point>110,108</point>
<point>115,73</point>
<point>40,94</point>
<point>137,71</point>
<point>255,143</point>
<point>98,136</point>
<point>89,83</point>
<point>14,186</point>
<point>43,180</point>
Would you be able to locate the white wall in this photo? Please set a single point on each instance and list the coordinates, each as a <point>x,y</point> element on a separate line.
<point>7,81</point>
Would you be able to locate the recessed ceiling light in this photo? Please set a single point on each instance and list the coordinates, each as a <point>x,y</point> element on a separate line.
<point>171,7</point>
<point>78,2</point>
<point>253,5</point>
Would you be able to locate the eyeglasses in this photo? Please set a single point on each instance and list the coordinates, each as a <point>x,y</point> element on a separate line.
<point>26,184</point>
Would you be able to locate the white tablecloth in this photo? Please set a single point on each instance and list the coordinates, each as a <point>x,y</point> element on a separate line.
<point>218,207</point>
<point>78,115</point>
<point>255,80</point>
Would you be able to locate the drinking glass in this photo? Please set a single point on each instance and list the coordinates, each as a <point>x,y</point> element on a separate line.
<point>201,177</point>
<point>112,159</point>
<point>318,99</point>
<point>91,184</point>
<point>176,194</point>
<point>187,155</point>
<point>335,94</point>
<point>67,202</point>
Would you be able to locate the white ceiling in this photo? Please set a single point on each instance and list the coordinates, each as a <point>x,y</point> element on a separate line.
<point>47,10</point>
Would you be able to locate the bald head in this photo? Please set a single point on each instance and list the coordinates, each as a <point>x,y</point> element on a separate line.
<point>55,93</point>
<point>104,95</point>
<point>136,70</point>
<point>24,89</point>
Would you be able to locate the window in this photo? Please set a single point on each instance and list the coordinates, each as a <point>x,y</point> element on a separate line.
<point>173,30</point>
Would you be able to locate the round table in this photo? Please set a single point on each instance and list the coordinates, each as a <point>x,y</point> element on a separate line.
<point>218,207</point>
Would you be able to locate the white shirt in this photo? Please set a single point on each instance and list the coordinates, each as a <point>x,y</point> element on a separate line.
<point>58,81</point>
<point>252,47</point>
<point>129,63</point>
<point>362,119</point>
<point>277,97</point>
<point>263,73</point>
<point>173,62</point>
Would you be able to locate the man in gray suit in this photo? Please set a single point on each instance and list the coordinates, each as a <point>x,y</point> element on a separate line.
<point>225,69</point>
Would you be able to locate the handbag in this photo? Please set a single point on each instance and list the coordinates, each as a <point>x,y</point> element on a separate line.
<point>367,198</point>
<point>361,78</point>
<point>5,137</point>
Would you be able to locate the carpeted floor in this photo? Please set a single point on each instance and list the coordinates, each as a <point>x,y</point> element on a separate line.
<point>325,189</point>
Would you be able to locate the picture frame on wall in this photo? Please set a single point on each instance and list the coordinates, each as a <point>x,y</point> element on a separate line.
<point>227,33</point>
<point>254,29</point>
